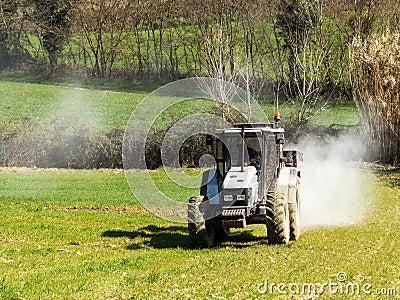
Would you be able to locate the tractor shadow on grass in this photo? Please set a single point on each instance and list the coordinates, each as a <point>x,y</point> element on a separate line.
<point>153,236</point>
<point>158,237</point>
<point>243,238</point>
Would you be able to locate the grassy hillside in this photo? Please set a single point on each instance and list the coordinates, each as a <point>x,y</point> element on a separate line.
<point>81,235</point>
<point>26,102</point>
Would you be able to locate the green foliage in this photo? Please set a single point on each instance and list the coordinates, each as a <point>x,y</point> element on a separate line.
<point>54,20</point>
<point>294,19</point>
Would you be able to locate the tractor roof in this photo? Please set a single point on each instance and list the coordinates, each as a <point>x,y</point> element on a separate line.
<point>248,128</point>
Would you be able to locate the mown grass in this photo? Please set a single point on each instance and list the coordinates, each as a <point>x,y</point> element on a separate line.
<point>81,235</point>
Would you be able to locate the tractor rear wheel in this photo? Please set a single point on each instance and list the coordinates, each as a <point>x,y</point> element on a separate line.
<point>294,215</point>
<point>277,219</point>
<point>200,236</point>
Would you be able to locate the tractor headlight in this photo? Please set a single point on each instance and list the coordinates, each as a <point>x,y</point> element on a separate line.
<point>228,198</point>
<point>241,197</point>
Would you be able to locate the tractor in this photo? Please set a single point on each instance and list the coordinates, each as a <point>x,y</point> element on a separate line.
<point>253,181</point>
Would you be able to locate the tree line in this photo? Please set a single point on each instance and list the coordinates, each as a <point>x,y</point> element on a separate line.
<point>295,48</point>
<point>170,39</point>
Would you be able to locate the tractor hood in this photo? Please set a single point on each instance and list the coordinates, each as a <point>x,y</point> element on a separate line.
<point>235,179</point>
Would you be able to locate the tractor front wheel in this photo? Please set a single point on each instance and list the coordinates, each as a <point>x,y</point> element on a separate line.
<point>200,235</point>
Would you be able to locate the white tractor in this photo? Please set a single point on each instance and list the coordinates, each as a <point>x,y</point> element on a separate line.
<point>255,181</point>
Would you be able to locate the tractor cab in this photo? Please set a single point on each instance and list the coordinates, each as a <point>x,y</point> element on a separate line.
<point>248,150</point>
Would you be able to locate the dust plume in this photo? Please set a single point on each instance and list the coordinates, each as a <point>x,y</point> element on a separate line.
<point>75,107</point>
<point>331,185</point>
<point>68,137</point>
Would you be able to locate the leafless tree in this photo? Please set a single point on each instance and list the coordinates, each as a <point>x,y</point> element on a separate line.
<point>299,58</point>
<point>103,25</point>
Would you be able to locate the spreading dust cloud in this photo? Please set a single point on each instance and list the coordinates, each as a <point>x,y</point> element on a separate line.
<point>331,186</point>
<point>68,137</point>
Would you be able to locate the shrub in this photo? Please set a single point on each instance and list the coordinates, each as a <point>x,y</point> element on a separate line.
<point>64,144</point>
<point>375,73</point>
<point>72,144</point>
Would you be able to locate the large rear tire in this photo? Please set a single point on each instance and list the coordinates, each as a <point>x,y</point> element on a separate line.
<point>294,215</point>
<point>277,219</point>
<point>200,236</point>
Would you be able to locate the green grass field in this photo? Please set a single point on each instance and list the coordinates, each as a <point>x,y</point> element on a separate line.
<point>81,234</point>
<point>68,234</point>
<point>28,104</point>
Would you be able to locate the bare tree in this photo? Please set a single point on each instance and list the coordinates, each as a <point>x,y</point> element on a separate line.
<point>299,58</point>
<point>103,25</point>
